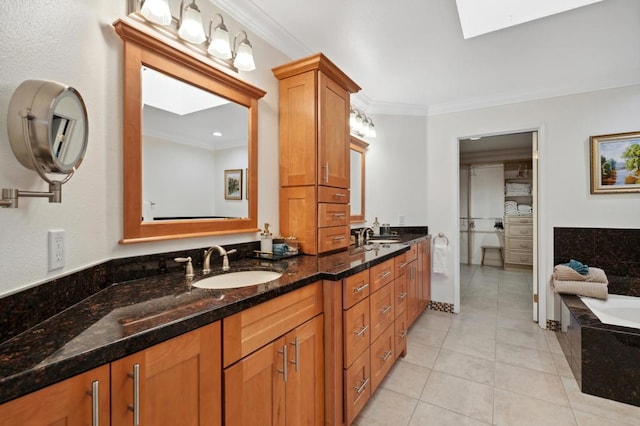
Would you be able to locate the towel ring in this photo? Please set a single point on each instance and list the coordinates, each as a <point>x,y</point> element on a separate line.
<point>442,237</point>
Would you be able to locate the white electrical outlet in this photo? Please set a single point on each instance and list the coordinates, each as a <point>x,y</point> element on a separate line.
<point>56,249</point>
<point>401,220</point>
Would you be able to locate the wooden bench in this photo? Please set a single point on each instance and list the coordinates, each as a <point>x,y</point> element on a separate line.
<point>485,248</point>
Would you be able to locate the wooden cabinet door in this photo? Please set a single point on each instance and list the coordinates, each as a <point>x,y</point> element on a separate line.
<point>254,387</point>
<point>412,289</point>
<point>333,134</point>
<point>64,403</point>
<point>179,381</point>
<point>425,282</point>
<point>298,130</point>
<point>305,380</point>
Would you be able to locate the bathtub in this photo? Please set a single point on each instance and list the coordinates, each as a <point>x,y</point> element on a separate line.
<point>616,310</point>
<point>601,342</point>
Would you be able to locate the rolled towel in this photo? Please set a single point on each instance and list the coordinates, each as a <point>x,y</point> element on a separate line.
<point>579,267</point>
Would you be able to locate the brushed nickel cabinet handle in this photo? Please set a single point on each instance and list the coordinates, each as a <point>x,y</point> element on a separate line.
<point>94,393</point>
<point>402,265</point>
<point>339,238</point>
<point>135,407</point>
<point>326,172</point>
<point>363,384</point>
<point>361,331</point>
<point>284,363</point>
<point>401,296</point>
<point>385,274</point>
<point>340,195</point>
<point>403,334</point>
<point>385,310</point>
<point>385,356</point>
<point>296,361</point>
<point>361,288</point>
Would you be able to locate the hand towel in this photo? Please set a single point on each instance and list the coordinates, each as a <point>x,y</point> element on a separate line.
<point>440,253</point>
<point>579,267</point>
<point>566,280</point>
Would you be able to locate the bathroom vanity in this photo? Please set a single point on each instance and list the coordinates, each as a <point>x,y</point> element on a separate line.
<point>158,348</point>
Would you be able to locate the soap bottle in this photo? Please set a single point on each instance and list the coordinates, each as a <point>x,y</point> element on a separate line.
<point>376,227</point>
<point>266,240</point>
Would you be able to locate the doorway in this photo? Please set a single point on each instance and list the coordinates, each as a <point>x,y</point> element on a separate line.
<point>498,207</point>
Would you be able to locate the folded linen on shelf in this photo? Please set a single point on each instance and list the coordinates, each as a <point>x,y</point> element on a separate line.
<point>568,281</point>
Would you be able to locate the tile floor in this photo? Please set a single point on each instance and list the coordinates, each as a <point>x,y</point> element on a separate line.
<point>489,365</point>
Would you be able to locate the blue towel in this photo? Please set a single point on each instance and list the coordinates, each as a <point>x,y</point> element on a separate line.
<point>580,268</point>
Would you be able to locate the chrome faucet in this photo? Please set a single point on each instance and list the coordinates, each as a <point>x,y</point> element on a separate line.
<point>362,235</point>
<point>206,265</point>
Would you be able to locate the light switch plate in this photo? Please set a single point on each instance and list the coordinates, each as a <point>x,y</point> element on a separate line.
<point>56,249</point>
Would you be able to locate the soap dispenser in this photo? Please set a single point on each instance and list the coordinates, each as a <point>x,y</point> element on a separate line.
<point>266,240</point>
<point>376,227</point>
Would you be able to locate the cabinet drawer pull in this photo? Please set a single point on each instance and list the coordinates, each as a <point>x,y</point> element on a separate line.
<point>402,265</point>
<point>524,232</point>
<point>361,288</point>
<point>296,361</point>
<point>339,215</point>
<point>361,331</point>
<point>363,384</point>
<point>326,172</point>
<point>523,246</point>
<point>401,296</point>
<point>94,393</point>
<point>385,356</point>
<point>339,195</point>
<point>284,363</point>
<point>385,310</point>
<point>135,407</point>
<point>385,274</point>
<point>339,238</point>
<point>403,334</point>
<point>338,265</point>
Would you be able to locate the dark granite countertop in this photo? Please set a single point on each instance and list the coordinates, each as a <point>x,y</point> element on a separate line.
<point>127,317</point>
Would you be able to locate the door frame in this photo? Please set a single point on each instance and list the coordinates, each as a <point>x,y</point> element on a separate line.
<point>539,314</point>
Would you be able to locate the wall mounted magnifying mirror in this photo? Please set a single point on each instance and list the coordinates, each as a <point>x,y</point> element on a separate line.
<point>48,132</point>
<point>185,124</point>
<point>357,162</point>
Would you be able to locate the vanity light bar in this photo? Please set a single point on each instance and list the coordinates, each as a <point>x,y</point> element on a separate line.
<point>360,124</point>
<point>189,28</point>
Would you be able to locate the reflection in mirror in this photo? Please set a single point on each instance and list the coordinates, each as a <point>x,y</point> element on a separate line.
<point>357,162</point>
<point>197,136</point>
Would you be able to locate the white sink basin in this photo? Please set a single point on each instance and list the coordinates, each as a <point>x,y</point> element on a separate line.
<point>237,279</point>
<point>383,241</point>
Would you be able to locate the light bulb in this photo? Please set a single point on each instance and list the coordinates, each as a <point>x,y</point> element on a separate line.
<point>191,28</point>
<point>156,11</point>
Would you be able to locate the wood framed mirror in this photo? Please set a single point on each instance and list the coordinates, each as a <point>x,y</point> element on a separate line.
<point>150,62</point>
<point>357,163</point>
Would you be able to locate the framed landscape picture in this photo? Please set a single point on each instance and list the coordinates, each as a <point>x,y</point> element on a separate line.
<point>615,163</point>
<point>233,184</point>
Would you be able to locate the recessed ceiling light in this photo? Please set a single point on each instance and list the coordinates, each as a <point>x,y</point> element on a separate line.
<point>217,134</point>
<point>475,138</point>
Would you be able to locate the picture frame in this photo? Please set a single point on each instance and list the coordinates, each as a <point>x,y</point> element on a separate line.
<point>615,163</point>
<point>233,184</point>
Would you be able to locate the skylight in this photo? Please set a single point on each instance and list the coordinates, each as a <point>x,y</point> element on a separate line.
<point>479,17</point>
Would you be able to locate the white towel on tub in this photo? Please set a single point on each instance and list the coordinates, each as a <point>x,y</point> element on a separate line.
<point>440,253</point>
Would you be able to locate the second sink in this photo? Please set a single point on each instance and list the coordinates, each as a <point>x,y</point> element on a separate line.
<point>237,279</point>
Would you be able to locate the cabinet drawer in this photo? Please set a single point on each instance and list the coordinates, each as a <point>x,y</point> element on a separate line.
<point>525,244</point>
<point>333,214</point>
<point>382,308</point>
<point>401,264</point>
<point>382,356</point>
<point>355,289</point>
<point>334,238</point>
<point>519,220</point>
<point>401,328</point>
<point>401,294</point>
<point>357,386</point>
<point>252,328</point>
<point>328,194</point>
<point>519,257</point>
<point>381,274</point>
<point>519,231</point>
<point>412,254</point>
<point>356,331</point>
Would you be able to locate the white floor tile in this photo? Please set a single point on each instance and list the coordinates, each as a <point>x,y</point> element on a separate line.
<point>468,367</point>
<point>512,409</point>
<point>431,415</point>
<point>532,383</point>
